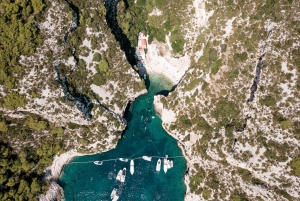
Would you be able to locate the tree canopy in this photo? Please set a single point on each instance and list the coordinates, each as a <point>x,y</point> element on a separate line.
<point>13,100</point>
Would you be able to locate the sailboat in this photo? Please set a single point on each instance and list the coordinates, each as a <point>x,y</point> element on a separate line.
<point>158,165</point>
<point>123,175</point>
<point>123,159</point>
<point>131,166</point>
<point>113,194</point>
<point>147,158</point>
<point>165,165</point>
<point>119,175</point>
<point>98,162</point>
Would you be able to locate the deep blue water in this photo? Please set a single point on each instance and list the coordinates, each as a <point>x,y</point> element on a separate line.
<point>143,136</point>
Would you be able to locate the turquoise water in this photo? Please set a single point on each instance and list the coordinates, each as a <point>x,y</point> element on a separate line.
<point>143,136</point>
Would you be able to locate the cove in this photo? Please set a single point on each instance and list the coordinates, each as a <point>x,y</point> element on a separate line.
<point>144,135</point>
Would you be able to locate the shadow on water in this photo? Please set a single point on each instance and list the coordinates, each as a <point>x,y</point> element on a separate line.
<point>166,92</point>
<point>147,82</point>
<point>128,116</point>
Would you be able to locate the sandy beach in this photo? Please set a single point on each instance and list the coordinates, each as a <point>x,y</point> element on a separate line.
<point>159,60</point>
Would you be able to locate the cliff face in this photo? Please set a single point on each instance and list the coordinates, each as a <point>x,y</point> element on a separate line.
<point>69,93</point>
<point>77,49</point>
<point>235,110</point>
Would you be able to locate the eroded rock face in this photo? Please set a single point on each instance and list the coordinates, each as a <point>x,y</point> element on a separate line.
<point>70,46</point>
<point>216,74</point>
<point>63,83</point>
<point>209,109</point>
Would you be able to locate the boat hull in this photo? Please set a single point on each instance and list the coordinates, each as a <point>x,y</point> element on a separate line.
<point>165,165</point>
<point>131,167</point>
<point>158,165</point>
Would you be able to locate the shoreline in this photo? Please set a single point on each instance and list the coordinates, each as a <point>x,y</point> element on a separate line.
<point>159,60</point>
<point>159,110</point>
<point>53,172</point>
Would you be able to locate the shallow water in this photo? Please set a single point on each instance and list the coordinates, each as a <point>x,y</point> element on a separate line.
<point>143,136</point>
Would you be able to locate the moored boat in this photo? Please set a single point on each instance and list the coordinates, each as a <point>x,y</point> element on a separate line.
<point>123,175</point>
<point>119,175</point>
<point>123,159</point>
<point>98,162</point>
<point>168,164</point>
<point>158,165</point>
<point>131,166</point>
<point>116,198</point>
<point>147,158</point>
<point>113,193</point>
<point>165,165</point>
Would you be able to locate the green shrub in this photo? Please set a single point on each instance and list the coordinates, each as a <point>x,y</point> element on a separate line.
<point>215,66</point>
<point>167,25</point>
<point>241,57</point>
<point>269,101</point>
<point>284,194</point>
<point>99,79</point>
<point>177,41</point>
<point>59,131</point>
<point>223,47</point>
<point>213,54</point>
<point>37,5</point>
<point>3,127</point>
<point>13,100</point>
<point>202,124</point>
<point>286,124</point>
<point>204,85</point>
<point>35,124</point>
<point>226,111</point>
<point>206,193</point>
<point>236,197</point>
<point>197,178</point>
<point>161,3</point>
<point>103,66</point>
<point>97,57</point>
<point>155,21</point>
<point>245,174</point>
<point>296,165</point>
<point>73,126</point>
<point>156,33</point>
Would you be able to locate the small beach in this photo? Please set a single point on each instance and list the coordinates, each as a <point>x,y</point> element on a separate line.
<point>159,60</point>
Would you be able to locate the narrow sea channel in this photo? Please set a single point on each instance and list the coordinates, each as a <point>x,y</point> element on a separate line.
<point>144,136</point>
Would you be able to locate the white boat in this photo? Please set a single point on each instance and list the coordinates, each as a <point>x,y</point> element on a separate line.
<point>168,164</point>
<point>158,165</point>
<point>165,165</point>
<point>147,158</point>
<point>116,198</point>
<point>171,164</point>
<point>119,175</point>
<point>113,194</point>
<point>123,175</point>
<point>123,159</point>
<point>131,166</point>
<point>98,162</point>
